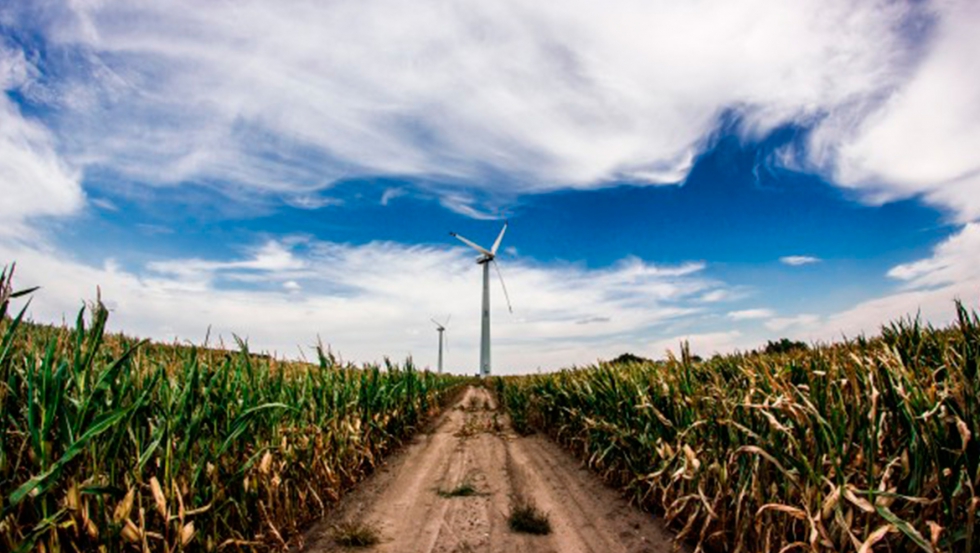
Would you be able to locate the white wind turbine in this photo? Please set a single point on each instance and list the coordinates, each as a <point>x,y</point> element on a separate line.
<point>486,258</point>
<point>441,327</point>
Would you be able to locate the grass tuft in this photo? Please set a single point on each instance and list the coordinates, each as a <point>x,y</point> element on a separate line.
<point>474,404</point>
<point>356,534</point>
<point>463,490</point>
<point>528,519</point>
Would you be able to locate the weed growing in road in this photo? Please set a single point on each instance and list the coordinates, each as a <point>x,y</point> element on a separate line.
<point>528,519</point>
<point>463,490</point>
<point>471,427</point>
<point>356,534</point>
<point>498,425</point>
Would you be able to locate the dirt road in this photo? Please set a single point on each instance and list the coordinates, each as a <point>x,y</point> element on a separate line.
<point>473,445</point>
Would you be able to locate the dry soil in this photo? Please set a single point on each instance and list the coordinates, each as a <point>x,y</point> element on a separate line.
<point>474,444</point>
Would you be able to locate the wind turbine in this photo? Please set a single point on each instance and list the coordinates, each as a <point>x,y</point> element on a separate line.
<point>486,258</point>
<point>441,327</point>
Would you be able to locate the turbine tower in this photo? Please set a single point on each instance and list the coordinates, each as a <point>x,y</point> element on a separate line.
<point>486,258</point>
<point>441,327</point>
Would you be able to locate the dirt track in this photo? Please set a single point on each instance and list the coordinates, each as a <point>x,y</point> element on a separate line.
<point>473,444</point>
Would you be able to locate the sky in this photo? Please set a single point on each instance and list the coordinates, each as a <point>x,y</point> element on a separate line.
<point>721,172</point>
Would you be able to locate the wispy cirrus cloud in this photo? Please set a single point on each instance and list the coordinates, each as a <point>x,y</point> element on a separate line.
<point>750,314</point>
<point>797,260</point>
<point>374,300</point>
<point>272,257</point>
<point>312,201</point>
<point>927,288</point>
<point>391,193</point>
<point>919,136</point>
<point>280,100</point>
<point>797,323</point>
<point>34,179</point>
<point>291,96</point>
<point>954,262</point>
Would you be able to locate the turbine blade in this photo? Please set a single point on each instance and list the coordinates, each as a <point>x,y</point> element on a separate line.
<point>502,285</point>
<point>447,320</point>
<point>471,244</point>
<point>436,323</point>
<point>500,237</point>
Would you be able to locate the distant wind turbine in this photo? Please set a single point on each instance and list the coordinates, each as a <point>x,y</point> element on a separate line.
<point>441,327</point>
<point>486,258</point>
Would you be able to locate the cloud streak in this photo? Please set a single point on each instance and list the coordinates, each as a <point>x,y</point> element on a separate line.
<point>927,288</point>
<point>797,260</point>
<point>290,96</point>
<point>477,102</point>
<point>34,179</point>
<point>750,314</point>
<point>373,300</point>
<point>920,137</point>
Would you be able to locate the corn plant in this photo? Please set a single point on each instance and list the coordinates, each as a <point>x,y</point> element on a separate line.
<point>113,444</point>
<point>865,445</point>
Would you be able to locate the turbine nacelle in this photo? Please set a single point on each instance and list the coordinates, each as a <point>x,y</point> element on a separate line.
<point>441,326</point>
<point>487,255</point>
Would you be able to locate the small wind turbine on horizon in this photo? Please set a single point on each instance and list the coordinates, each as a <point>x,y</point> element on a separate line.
<point>441,327</point>
<point>486,258</point>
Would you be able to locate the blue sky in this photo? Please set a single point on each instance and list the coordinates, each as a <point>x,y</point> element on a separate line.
<point>720,172</point>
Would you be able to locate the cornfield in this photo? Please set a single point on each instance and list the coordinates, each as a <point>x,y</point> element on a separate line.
<point>860,446</point>
<point>114,444</point>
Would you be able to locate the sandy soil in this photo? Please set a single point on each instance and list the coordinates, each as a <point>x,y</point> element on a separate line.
<point>474,444</point>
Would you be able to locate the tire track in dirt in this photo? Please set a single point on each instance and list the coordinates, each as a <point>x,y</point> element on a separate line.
<point>474,445</point>
<point>585,514</point>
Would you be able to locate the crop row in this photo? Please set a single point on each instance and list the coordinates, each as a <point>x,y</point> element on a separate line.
<point>860,446</point>
<point>113,444</point>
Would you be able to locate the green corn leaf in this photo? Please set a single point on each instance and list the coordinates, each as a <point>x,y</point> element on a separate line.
<point>39,530</point>
<point>8,336</point>
<point>905,527</point>
<point>99,425</point>
<point>240,424</point>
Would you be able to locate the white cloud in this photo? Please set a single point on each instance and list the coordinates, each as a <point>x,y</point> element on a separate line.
<point>750,314</point>
<point>34,180</point>
<point>311,201</point>
<point>800,322</point>
<point>390,194</point>
<point>289,96</point>
<point>953,262</point>
<point>922,136</point>
<point>366,312</point>
<point>797,260</point>
<point>272,257</point>
<point>373,300</point>
<point>104,204</point>
<point>715,296</point>
<point>477,99</point>
<point>928,287</point>
<point>462,203</point>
